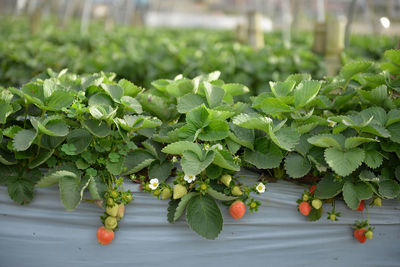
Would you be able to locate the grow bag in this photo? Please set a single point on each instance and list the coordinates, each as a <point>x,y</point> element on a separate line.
<point>44,234</point>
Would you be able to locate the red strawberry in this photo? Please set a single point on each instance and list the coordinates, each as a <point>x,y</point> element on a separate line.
<point>312,189</point>
<point>237,209</point>
<point>305,208</point>
<point>359,234</point>
<point>361,206</point>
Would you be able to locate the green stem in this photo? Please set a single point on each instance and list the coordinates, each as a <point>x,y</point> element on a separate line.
<point>39,143</point>
<point>25,115</point>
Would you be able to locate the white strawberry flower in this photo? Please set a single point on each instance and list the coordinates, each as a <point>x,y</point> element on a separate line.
<point>206,147</point>
<point>154,183</point>
<point>260,188</point>
<point>189,178</point>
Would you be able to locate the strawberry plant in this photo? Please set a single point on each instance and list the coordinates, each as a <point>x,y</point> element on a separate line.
<point>185,140</point>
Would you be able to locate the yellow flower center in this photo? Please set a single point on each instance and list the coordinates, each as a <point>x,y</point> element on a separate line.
<point>154,184</point>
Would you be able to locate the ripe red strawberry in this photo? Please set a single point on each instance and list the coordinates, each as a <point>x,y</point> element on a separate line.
<point>312,189</point>
<point>237,209</point>
<point>305,208</point>
<point>361,206</point>
<point>359,234</point>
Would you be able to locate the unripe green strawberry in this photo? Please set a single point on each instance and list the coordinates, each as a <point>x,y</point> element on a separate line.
<point>226,179</point>
<point>332,217</point>
<point>156,192</point>
<point>114,194</point>
<point>110,202</point>
<point>203,187</point>
<point>305,197</point>
<point>111,223</point>
<point>147,187</point>
<point>378,202</point>
<point>236,191</point>
<point>253,205</point>
<point>166,193</point>
<point>369,234</point>
<point>121,211</point>
<point>179,191</point>
<point>317,204</point>
<point>112,211</point>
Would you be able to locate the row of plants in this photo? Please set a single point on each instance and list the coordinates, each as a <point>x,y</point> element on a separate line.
<point>143,55</point>
<point>186,139</point>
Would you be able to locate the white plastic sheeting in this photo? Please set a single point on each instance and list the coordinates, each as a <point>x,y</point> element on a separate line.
<point>43,234</point>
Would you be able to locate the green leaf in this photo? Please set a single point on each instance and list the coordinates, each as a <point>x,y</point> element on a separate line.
<point>271,106</point>
<point>198,117</point>
<point>286,138</point>
<point>389,189</point>
<point>131,104</point>
<point>172,205</point>
<point>394,130</point>
<point>214,131</point>
<point>266,155</point>
<point>155,105</point>
<point>23,139</point>
<point>115,168</point>
<point>214,94</point>
<point>97,127</point>
<point>53,176</point>
<point>235,89</point>
<point>213,171</point>
<point>192,165</point>
<point>97,188</point>
<point>189,102</point>
<point>180,87</point>
<point>80,138</point>
<point>350,69</point>
<point>100,99</point>
<point>115,91</point>
<point>298,77</point>
<point>353,142</point>
<point>21,190</point>
<point>344,162</point>
<point>5,110</point>
<point>224,159</point>
<point>328,140</point>
<point>160,170</point>
<point>43,156</point>
<point>180,209</point>
<point>7,158</point>
<point>282,88</point>
<point>33,93</point>
<point>59,99</point>
<point>368,176</point>
<point>373,159</point>
<point>136,161</point>
<point>220,196</point>
<point>305,92</point>
<point>353,193</point>
<point>393,117</point>
<point>71,190</point>
<point>53,126</point>
<point>101,112</point>
<point>11,131</point>
<point>296,165</point>
<point>329,187</point>
<point>252,121</point>
<point>204,216</point>
<point>129,88</point>
<point>178,148</point>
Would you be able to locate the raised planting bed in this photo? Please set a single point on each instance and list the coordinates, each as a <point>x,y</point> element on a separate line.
<point>44,234</point>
